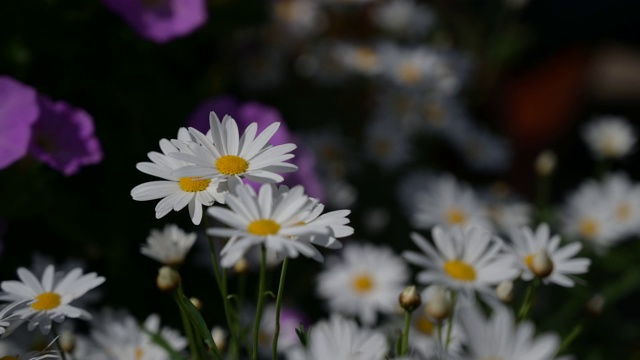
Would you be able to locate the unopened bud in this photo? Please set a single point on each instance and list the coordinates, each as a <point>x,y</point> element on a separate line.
<point>541,265</point>
<point>168,279</point>
<point>545,163</point>
<point>219,336</point>
<point>196,302</point>
<point>595,304</point>
<point>241,266</point>
<point>505,291</point>
<point>67,341</point>
<point>438,305</point>
<point>410,299</point>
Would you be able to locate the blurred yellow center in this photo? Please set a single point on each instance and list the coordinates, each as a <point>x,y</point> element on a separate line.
<point>460,270</point>
<point>139,353</point>
<point>424,325</point>
<point>193,184</point>
<point>410,73</point>
<point>528,260</point>
<point>455,216</point>
<point>589,228</point>
<point>46,301</point>
<point>362,283</point>
<point>366,58</point>
<point>623,212</point>
<point>609,146</point>
<point>232,165</point>
<point>263,227</point>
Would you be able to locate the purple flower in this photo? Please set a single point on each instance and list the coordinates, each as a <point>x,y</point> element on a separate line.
<point>63,137</point>
<point>161,20</point>
<point>245,114</point>
<point>18,110</point>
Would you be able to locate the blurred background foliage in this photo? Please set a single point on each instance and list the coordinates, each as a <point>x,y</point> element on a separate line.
<point>541,71</point>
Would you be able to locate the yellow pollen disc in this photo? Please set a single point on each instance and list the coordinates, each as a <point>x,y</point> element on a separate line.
<point>409,73</point>
<point>623,212</point>
<point>263,227</point>
<point>193,184</point>
<point>455,216</point>
<point>366,58</point>
<point>528,260</point>
<point>609,146</point>
<point>362,284</point>
<point>232,165</point>
<point>139,353</point>
<point>424,325</point>
<point>460,270</point>
<point>46,301</point>
<point>589,228</point>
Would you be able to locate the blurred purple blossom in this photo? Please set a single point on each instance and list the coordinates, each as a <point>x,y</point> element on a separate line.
<point>63,137</point>
<point>161,20</point>
<point>18,110</point>
<point>245,114</point>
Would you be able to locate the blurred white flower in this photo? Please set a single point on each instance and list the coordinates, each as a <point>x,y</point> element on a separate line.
<point>169,246</point>
<point>404,17</point>
<point>609,136</point>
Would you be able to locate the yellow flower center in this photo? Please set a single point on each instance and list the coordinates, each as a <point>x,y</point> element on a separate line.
<point>263,227</point>
<point>139,353</point>
<point>609,146</point>
<point>410,73</point>
<point>456,216</point>
<point>362,283</point>
<point>460,270</point>
<point>232,165</point>
<point>366,58</point>
<point>589,228</point>
<point>528,260</point>
<point>193,184</point>
<point>46,301</point>
<point>623,212</point>
<point>424,325</point>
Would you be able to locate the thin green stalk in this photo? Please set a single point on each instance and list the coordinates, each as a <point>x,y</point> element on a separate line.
<point>528,300</point>
<point>454,297</point>
<point>404,347</point>
<point>63,356</point>
<point>577,330</point>
<point>276,334</point>
<point>188,329</point>
<point>260,305</point>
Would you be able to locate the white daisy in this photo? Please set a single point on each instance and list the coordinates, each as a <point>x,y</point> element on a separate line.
<point>625,198</point>
<point>359,59</point>
<point>285,221</point>
<point>609,136</point>
<point>227,154</point>
<point>588,215</point>
<point>403,17</point>
<point>298,18</point>
<point>499,337</point>
<point>467,260</point>
<point>51,298</point>
<point>341,339</point>
<point>175,191</point>
<point>527,244</point>
<point>442,200</point>
<point>169,246</point>
<point>365,280</point>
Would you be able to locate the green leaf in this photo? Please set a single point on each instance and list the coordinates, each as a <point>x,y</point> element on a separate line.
<point>198,322</point>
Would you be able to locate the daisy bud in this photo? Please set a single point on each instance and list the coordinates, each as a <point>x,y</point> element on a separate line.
<point>541,265</point>
<point>219,336</point>
<point>595,304</point>
<point>196,302</point>
<point>168,279</point>
<point>438,306</point>
<point>545,163</point>
<point>241,267</point>
<point>67,341</point>
<point>505,291</point>
<point>410,299</point>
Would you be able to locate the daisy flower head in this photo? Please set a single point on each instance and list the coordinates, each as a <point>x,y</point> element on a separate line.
<point>169,246</point>
<point>176,192</point>
<point>51,297</point>
<point>500,337</point>
<point>469,260</point>
<point>224,153</point>
<point>609,137</point>
<point>365,280</point>
<point>526,244</point>
<point>341,339</point>
<point>285,220</point>
<point>624,196</point>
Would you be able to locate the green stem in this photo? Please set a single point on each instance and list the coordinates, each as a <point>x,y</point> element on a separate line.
<point>188,329</point>
<point>63,355</point>
<point>528,300</point>
<point>542,197</point>
<point>454,297</point>
<point>404,347</point>
<point>260,305</point>
<point>572,336</point>
<point>276,334</point>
